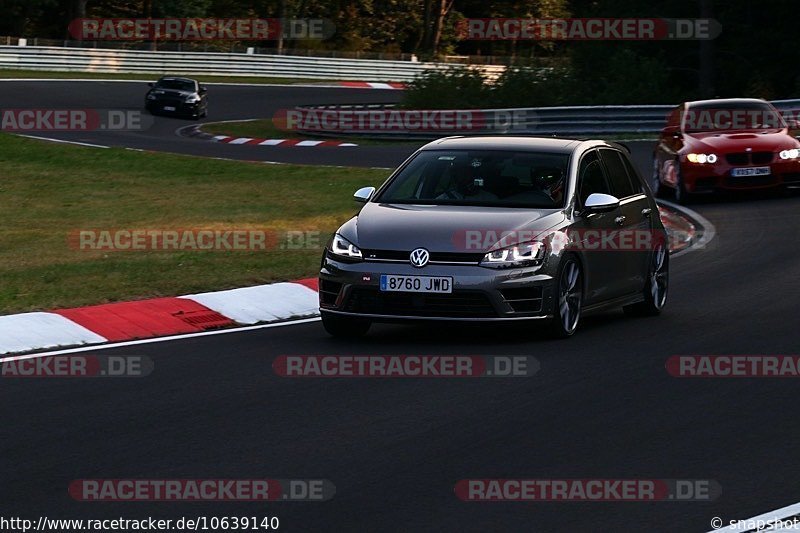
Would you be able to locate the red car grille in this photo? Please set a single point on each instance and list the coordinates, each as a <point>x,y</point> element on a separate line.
<point>749,158</point>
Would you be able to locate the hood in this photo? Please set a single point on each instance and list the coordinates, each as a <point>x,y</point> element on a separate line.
<point>771,141</point>
<point>445,228</point>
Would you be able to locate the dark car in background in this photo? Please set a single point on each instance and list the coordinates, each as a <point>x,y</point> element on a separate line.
<point>499,229</point>
<point>733,144</point>
<point>177,96</point>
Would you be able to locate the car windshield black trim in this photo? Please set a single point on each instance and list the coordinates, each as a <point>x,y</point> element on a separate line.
<point>481,178</point>
<point>177,85</point>
<point>742,117</point>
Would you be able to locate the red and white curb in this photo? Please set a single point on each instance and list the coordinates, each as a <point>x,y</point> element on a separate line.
<point>158,317</point>
<point>372,85</point>
<point>201,314</point>
<point>277,142</point>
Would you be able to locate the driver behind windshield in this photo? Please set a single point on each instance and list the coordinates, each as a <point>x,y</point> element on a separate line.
<point>466,183</point>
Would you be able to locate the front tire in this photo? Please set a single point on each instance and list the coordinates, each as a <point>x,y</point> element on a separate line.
<point>345,327</point>
<point>656,287</point>
<point>567,300</point>
<point>682,196</point>
<point>655,180</point>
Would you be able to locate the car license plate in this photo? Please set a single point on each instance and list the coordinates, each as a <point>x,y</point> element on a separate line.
<point>750,171</point>
<point>391,283</point>
<point>169,108</point>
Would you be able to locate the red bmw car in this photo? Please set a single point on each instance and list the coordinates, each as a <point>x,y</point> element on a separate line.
<point>734,144</point>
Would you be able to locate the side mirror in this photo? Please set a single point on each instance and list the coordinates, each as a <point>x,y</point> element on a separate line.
<point>151,84</point>
<point>364,194</point>
<point>672,131</point>
<point>203,89</point>
<point>600,203</point>
<point>793,123</point>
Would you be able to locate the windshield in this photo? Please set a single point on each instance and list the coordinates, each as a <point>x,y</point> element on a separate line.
<point>486,178</point>
<point>180,85</point>
<point>746,116</point>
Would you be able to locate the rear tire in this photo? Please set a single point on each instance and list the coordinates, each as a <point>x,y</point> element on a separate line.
<point>657,285</point>
<point>345,327</point>
<point>567,299</point>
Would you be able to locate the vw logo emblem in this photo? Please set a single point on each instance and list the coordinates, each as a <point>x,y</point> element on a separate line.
<point>419,257</point>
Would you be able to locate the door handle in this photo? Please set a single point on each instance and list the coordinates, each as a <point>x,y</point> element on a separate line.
<point>620,220</point>
<point>646,211</point>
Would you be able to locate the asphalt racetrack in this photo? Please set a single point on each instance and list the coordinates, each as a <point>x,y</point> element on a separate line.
<point>601,406</point>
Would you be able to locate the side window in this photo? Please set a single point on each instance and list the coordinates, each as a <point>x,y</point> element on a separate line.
<point>591,178</point>
<point>617,174</point>
<point>636,179</point>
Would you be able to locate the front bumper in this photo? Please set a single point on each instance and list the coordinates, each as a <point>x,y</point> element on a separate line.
<point>479,293</point>
<point>708,178</point>
<point>181,107</point>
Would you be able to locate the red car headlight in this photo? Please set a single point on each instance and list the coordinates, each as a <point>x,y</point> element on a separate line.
<point>701,158</point>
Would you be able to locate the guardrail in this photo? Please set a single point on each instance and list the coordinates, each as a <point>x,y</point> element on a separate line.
<point>541,121</point>
<point>217,64</point>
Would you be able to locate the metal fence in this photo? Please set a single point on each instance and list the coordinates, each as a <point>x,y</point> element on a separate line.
<point>540,121</point>
<point>217,64</point>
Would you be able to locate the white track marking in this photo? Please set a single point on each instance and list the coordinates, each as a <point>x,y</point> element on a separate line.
<point>110,346</point>
<point>62,141</point>
<point>707,232</point>
<point>251,305</point>
<point>40,331</point>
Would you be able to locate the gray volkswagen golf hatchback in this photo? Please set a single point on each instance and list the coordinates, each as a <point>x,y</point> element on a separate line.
<point>498,229</point>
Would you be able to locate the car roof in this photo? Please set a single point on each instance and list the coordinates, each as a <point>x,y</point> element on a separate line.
<point>498,142</point>
<point>176,78</point>
<point>725,102</point>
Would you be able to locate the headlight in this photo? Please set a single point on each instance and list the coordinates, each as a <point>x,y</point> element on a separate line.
<point>789,154</point>
<point>702,158</point>
<point>343,247</point>
<point>529,253</point>
<point>192,99</point>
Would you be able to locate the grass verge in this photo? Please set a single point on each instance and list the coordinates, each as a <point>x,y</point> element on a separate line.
<point>49,191</point>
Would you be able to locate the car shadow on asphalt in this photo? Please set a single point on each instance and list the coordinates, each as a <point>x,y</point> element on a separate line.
<point>438,334</point>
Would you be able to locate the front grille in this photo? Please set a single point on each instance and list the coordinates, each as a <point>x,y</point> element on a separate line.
<point>761,158</point>
<point>737,159</point>
<point>328,292</point>
<point>750,158</point>
<point>438,257</point>
<point>524,300</point>
<point>459,304</point>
